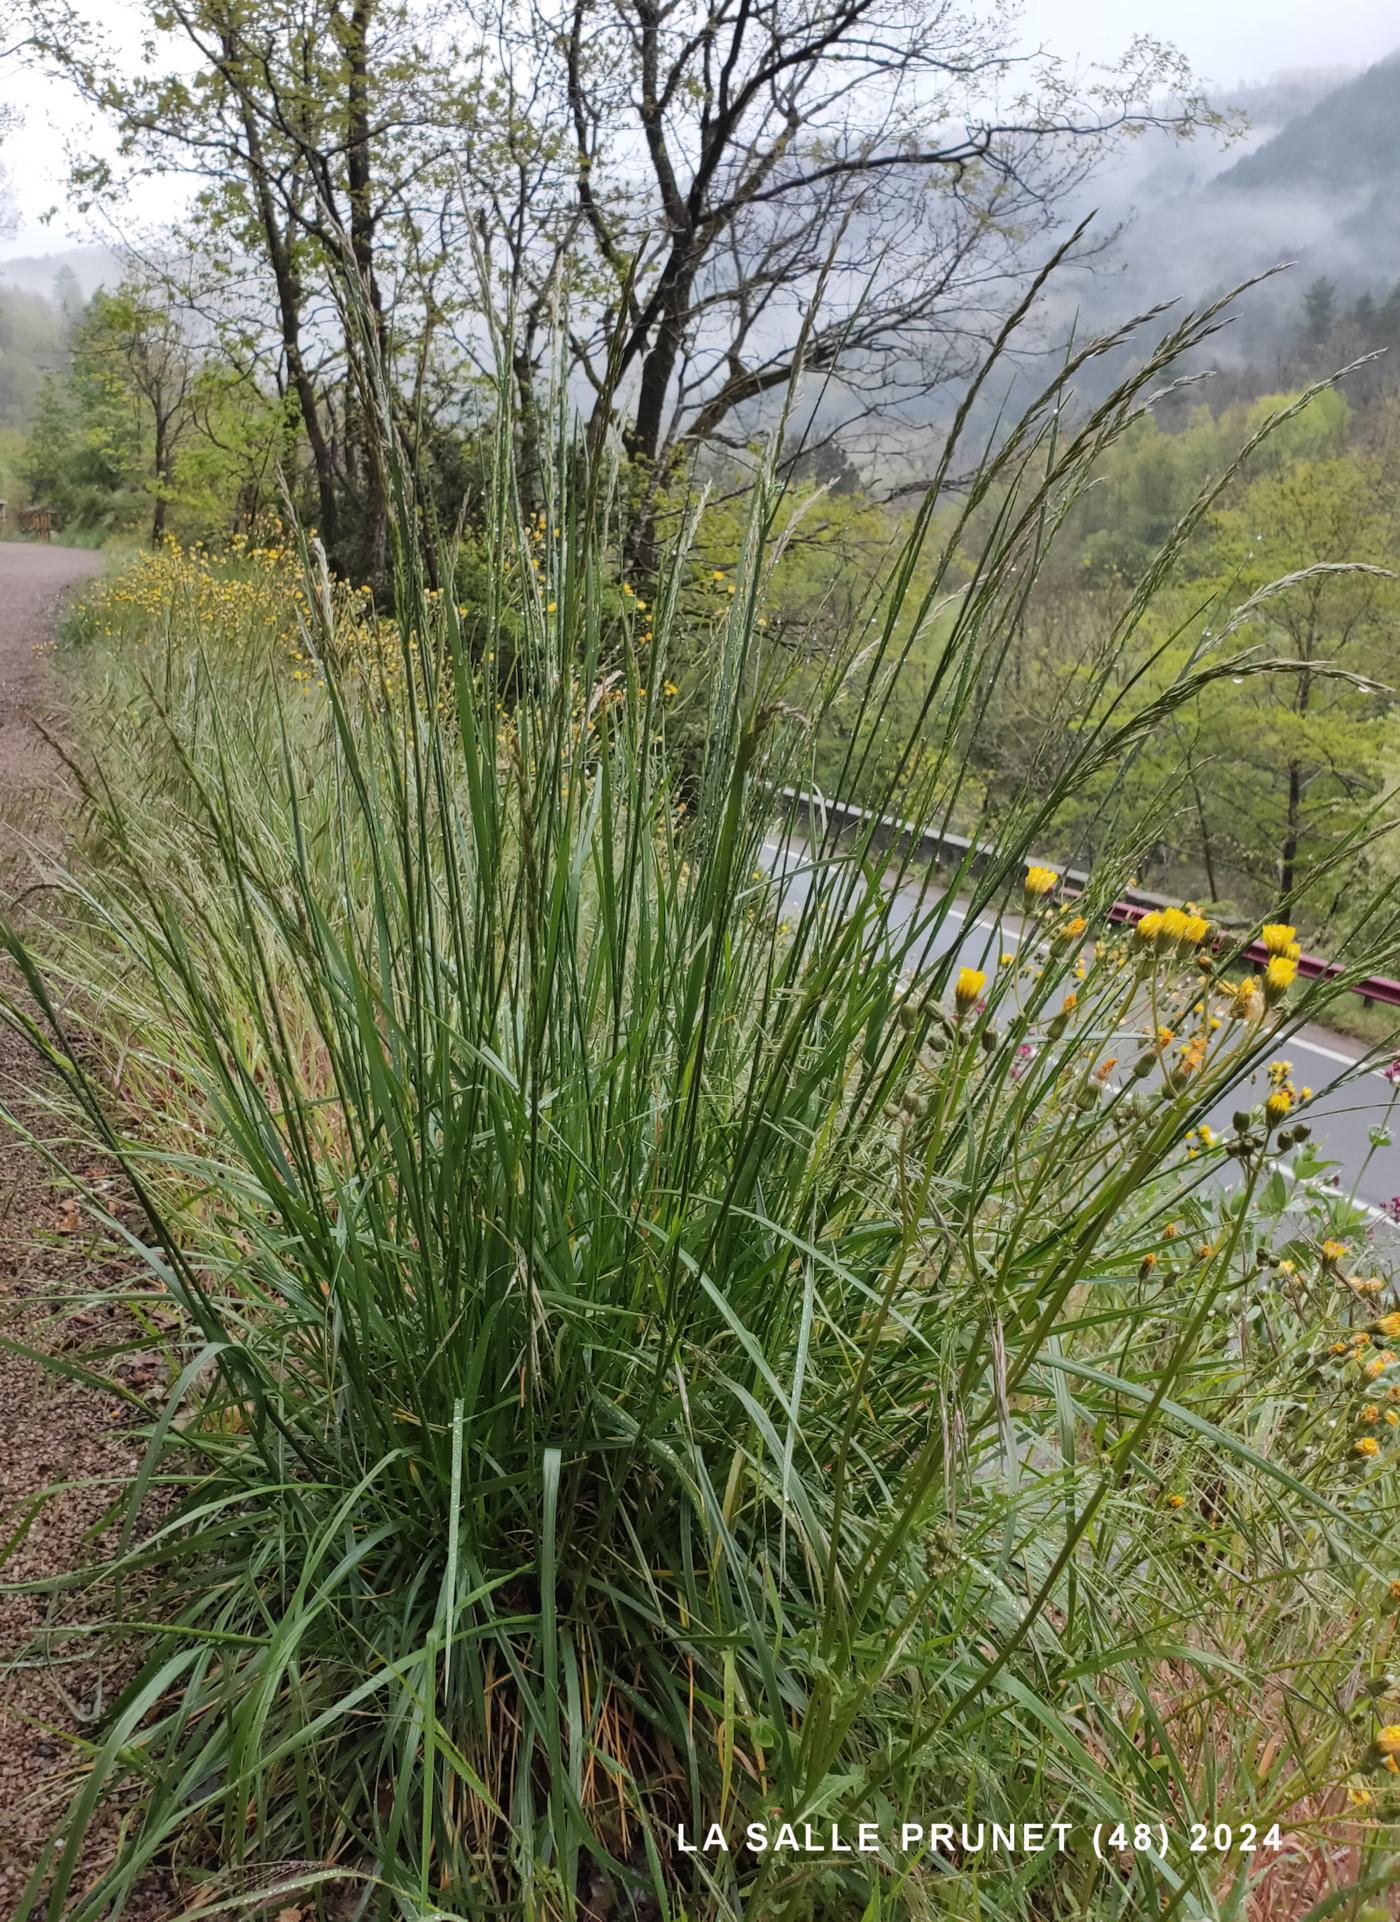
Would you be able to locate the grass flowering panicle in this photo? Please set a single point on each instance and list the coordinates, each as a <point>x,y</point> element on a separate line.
<point>638,1359</point>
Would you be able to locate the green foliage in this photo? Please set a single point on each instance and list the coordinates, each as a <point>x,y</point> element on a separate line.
<point>87,453</point>
<point>644,1343</point>
<point>32,346</point>
<point>141,432</point>
<point>1279,776</point>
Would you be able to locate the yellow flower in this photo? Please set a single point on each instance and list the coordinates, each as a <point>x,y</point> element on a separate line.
<point>1149,927</point>
<point>1370,1412</point>
<point>1366,1446</point>
<point>968,987</point>
<point>1176,1501</point>
<point>1247,1001</point>
<point>1332,1252</point>
<point>1388,1739</point>
<point>1388,1325</point>
<point>1278,1104</point>
<point>1278,977</point>
<point>1038,883</point>
<point>1277,936</point>
<point>669,689</point>
<point>1193,1053</point>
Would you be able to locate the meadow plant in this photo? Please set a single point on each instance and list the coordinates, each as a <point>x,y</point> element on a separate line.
<point>656,1334</point>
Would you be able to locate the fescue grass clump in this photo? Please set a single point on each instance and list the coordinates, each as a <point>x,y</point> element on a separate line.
<point>657,1335</point>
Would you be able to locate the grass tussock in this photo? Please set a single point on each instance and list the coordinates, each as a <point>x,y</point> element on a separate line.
<point>651,1339</point>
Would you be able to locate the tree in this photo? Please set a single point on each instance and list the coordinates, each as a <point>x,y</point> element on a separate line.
<point>1300,755</point>
<point>671,206</point>
<point>321,136</point>
<point>1319,313</point>
<point>10,49</point>
<point>815,182</point>
<point>110,431</point>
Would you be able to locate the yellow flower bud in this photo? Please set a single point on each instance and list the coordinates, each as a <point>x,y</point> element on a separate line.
<point>968,987</point>
<point>1278,977</point>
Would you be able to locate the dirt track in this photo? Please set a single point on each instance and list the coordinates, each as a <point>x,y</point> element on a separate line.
<point>32,580</point>
<point>50,1431</point>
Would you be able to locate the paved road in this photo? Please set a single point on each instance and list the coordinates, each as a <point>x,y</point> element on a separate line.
<point>1347,1105</point>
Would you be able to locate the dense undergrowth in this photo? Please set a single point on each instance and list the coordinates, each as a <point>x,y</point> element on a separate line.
<point>650,1342</point>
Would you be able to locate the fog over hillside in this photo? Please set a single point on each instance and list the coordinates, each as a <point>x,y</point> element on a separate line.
<point>1315,181</point>
<point>92,267</point>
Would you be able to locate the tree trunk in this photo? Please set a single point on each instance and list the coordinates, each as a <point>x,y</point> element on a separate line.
<point>643,439</point>
<point>1207,851</point>
<point>1288,857</point>
<point>1293,819</point>
<point>162,464</point>
<point>375,534</point>
<point>289,300</point>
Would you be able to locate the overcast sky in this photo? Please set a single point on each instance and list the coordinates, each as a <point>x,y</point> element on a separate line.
<point>1226,41</point>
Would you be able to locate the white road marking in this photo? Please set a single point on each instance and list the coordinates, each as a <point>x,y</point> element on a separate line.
<point>1331,1054</point>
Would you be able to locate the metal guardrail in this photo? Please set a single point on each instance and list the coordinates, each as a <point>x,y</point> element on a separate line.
<point>1129,908</point>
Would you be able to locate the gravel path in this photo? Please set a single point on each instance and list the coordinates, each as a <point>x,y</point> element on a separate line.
<point>51,1431</point>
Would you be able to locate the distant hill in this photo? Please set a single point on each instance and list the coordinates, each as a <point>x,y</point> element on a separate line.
<point>1348,143</point>
<point>93,267</point>
<point>1319,186</point>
